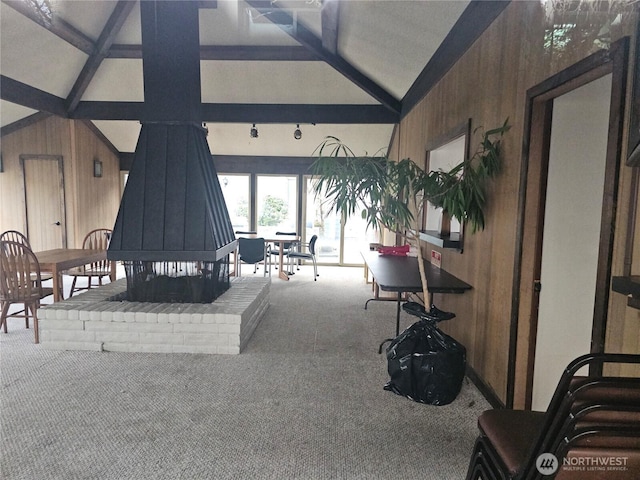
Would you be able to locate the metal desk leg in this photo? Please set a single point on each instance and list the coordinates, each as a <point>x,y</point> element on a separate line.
<point>397,323</point>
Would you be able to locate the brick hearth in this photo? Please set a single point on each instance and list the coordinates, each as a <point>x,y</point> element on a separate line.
<point>90,321</point>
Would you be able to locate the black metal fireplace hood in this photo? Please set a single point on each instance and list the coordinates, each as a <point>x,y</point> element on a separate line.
<point>172,208</point>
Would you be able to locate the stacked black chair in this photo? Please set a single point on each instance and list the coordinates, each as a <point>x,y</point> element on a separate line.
<point>592,424</point>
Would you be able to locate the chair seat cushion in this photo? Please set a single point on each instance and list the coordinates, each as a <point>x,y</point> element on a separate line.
<point>300,255</point>
<point>511,433</point>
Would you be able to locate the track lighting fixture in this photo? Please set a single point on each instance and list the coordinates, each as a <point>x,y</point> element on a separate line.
<point>297,133</point>
<point>254,132</point>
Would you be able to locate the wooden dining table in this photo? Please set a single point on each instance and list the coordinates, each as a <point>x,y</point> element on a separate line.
<point>58,260</point>
<point>281,240</point>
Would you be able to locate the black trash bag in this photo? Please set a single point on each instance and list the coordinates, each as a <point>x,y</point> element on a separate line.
<point>426,365</point>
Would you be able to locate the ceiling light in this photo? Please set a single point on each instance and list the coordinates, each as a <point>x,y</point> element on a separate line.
<point>253,133</point>
<point>297,134</point>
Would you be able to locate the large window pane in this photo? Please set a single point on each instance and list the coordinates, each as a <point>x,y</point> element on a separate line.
<point>353,235</point>
<point>277,198</point>
<point>235,189</point>
<point>357,238</point>
<point>324,223</point>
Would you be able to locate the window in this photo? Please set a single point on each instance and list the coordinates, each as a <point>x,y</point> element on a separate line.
<point>235,189</point>
<point>277,203</point>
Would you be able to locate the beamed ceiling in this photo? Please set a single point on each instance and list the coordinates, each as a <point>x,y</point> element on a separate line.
<point>346,68</point>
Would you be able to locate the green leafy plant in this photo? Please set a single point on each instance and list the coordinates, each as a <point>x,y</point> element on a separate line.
<point>392,195</point>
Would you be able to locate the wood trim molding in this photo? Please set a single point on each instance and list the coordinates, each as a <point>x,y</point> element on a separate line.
<point>96,131</point>
<point>633,144</point>
<point>63,201</point>
<point>537,119</point>
<point>487,392</point>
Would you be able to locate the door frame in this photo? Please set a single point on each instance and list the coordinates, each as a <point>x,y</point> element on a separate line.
<point>63,202</point>
<point>533,180</point>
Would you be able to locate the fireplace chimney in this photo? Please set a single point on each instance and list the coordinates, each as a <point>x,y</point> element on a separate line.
<point>172,217</point>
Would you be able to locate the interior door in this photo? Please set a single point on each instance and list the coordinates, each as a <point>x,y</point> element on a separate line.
<point>568,209</point>
<point>44,201</point>
<point>571,232</point>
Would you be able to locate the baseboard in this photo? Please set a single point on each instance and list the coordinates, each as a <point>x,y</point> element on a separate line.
<point>484,388</point>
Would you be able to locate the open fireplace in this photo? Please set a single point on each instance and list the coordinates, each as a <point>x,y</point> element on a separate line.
<point>176,282</point>
<point>173,231</point>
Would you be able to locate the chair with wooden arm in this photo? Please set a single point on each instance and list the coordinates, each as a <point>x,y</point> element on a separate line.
<point>20,282</point>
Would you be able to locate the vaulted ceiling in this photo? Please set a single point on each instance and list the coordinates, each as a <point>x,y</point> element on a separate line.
<point>347,68</point>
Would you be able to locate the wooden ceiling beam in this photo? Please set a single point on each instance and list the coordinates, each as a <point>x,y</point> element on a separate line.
<point>270,53</point>
<point>23,123</point>
<point>22,94</point>
<point>330,15</point>
<point>109,32</point>
<point>55,25</point>
<point>30,97</point>
<point>256,52</point>
<point>305,37</point>
<point>250,113</point>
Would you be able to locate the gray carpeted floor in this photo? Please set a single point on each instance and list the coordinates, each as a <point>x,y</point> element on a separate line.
<point>303,401</point>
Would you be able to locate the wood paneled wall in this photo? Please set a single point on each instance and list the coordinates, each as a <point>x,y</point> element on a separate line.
<point>489,84</point>
<point>90,202</point>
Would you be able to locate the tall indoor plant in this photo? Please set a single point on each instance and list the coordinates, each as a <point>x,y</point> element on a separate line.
<point>392,194</point>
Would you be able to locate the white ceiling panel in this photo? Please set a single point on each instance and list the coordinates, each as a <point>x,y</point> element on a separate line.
<point>11,112</point>
<point>117,80</point>
<point>277,82</point>
<point>122,134</point>
<point>277,139</point>
<point>392,41</point>
<point>42,60</point>
<point>87,16</point>
<point>383,45</point>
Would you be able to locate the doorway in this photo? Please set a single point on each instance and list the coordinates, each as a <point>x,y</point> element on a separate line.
<point>566,222</point>
<point>44,201</point>
<point>571,232</point>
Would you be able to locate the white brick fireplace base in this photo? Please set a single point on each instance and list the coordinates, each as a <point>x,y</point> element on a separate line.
<point>90,321</point>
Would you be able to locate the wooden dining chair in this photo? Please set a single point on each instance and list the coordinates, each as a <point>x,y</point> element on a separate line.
<point>97,239</point>
<point>19,237</point>
<point>20,282</point>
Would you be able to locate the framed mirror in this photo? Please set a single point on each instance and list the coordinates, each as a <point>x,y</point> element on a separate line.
<point>444,153</point>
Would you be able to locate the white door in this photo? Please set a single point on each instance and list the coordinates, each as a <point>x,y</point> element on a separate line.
<point>44,201</point>
<point>571,240</point>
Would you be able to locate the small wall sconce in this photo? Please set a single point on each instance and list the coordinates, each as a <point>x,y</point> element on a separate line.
<point>297,133</point>
<point>253,133</point>
<point>97,168</point>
